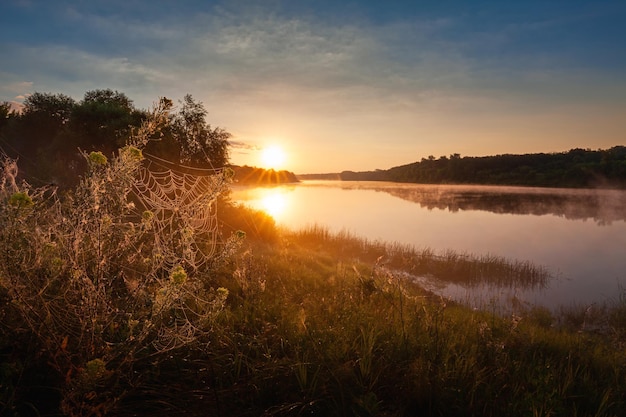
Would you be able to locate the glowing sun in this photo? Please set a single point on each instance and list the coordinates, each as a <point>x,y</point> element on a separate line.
<point>273,157</point>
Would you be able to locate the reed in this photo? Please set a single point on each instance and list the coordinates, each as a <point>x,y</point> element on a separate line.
<point>460,268</point>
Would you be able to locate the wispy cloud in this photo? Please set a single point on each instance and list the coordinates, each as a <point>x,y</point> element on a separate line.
<point>331,82</point>
<point>242,145</point>
<point>21,87</point>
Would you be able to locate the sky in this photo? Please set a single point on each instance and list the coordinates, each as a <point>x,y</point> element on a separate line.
<point>341,85</point>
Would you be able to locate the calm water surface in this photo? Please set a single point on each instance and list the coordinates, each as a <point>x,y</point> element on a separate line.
<point>578,235</point>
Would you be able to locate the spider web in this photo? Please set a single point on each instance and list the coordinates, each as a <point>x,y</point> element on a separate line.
<point>182,212</point>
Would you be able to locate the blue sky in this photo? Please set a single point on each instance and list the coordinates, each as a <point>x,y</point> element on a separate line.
<point>342,85</point>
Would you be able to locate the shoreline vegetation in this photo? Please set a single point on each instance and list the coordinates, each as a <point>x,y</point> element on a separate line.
<point>576,168</point>
<point>133,288</point>
<point>284,323</point>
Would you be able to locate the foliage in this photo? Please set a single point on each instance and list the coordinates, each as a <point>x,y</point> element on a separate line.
<point>313,331</point>
<point>81,278</point>
<point>101,121</point>
<point>51,132</point>
<point>575,168</point>
<point>200,143</point>
<point>5,114</point>
<point>42,118</point>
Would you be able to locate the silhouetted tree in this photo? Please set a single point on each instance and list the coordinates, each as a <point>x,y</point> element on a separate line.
<point>576,168</point>
<point>200,144</point>
<point>5,114</point>
<point>102,121</point>
<point>48,134</point>
<point>42,118</point>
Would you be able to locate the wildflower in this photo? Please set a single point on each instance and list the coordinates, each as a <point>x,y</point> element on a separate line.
<point>133,152</point>
<point>97,158</point>
<point>178,275</point>
<point>146,216</point>
<point>229,173</point>
<point>20,200</point>
<point>95,369</point>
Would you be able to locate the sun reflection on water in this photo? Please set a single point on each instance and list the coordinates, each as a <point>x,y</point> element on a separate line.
<point>274,203</point>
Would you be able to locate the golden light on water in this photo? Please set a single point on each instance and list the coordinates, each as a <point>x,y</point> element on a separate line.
<point>277,202</point>
<point>274,203</point>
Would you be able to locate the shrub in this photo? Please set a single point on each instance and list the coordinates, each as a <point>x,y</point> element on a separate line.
<point>91,282</point>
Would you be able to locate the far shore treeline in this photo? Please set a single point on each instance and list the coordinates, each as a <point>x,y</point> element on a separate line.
<point>579,168</point>
<point>49,132</point>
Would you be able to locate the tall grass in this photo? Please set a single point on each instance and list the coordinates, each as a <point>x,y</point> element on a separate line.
<point>331,335</point>
<point>461,268</point>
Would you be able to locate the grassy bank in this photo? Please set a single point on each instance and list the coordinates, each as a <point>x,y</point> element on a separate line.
<point>308,332</point>
<point>96,321</point>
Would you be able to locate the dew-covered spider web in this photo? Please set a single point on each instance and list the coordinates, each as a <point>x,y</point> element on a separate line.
<point>181,209</point>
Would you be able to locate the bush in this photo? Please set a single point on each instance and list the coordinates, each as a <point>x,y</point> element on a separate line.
<point>91,282</point>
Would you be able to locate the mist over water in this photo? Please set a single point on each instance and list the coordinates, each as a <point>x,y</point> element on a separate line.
<point>578,235</point>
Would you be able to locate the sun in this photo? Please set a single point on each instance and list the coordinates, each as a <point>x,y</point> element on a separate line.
<point>273,157</point>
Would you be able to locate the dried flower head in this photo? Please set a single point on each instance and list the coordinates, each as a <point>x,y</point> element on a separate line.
<point>178,275</point>
<point>97,158</point>
<point>20,200</point>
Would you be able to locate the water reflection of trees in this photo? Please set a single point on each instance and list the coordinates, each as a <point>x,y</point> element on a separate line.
<point>603,206</point>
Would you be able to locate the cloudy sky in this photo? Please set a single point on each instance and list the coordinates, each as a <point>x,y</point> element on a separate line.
<point>356,85</point>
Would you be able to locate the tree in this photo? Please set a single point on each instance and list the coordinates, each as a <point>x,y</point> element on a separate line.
<point>102,121</point>
<point>5,114</point>
<point>56,107</point>
<point>43,117</point>
<point>52,130</point>
<point>200,145</point>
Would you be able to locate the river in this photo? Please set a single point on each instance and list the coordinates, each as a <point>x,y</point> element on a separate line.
<point>579,235</point>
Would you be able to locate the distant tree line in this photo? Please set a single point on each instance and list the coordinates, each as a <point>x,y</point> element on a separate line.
<point>575,168</point>
<point>247,175</point>
<point>48,134</point>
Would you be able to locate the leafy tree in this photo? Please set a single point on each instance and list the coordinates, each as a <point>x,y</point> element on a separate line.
<point>55,107</point>
<point>200,144</point>
<point>43,117</point>
<point>101,121</point>
<point>52,130</point>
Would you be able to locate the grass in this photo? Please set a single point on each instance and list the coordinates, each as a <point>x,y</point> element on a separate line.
<point>291,323</point>
<point>460,268</point>
<point>307,332</point>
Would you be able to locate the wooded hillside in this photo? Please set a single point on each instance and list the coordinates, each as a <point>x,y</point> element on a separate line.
<point>575,168</point>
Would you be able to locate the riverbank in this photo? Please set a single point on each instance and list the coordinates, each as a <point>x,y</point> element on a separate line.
<point>325,324</point>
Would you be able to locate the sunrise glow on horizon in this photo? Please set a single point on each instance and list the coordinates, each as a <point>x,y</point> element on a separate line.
<point>346,86</point>
<point>273,157</point>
